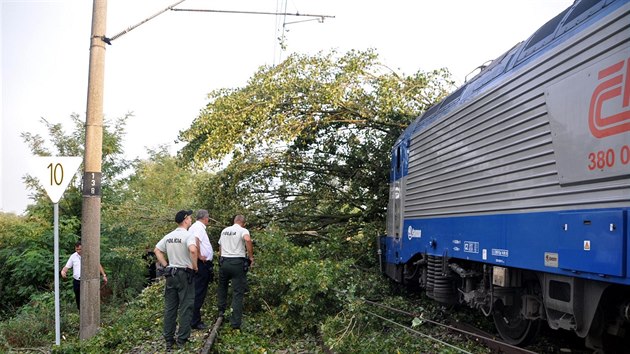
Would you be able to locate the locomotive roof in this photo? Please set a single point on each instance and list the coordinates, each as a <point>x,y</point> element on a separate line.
<point>564,25</point>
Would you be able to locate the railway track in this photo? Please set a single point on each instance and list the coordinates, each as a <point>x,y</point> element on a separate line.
<point>466,329</point>
<point>490,340</point>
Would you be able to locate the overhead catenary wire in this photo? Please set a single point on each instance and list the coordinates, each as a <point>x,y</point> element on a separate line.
<point>109,40</point>
<point>282,38</point>
<point>257,13</point>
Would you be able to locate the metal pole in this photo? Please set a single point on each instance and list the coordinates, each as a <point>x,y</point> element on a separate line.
<point>56,246</point>
<point>90,316</point>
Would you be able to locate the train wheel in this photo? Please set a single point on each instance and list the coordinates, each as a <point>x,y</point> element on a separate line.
<point>514,328</point>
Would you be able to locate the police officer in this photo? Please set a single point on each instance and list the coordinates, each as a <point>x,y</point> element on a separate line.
<point>236,256</point>
<point>180,248</point>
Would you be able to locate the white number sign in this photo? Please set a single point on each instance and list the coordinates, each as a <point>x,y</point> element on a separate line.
<point>55,173</point>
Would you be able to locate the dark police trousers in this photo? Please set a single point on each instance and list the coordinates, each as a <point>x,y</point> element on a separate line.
<point>203,277</point>
<point>232,269</point>
<point>179,295</point>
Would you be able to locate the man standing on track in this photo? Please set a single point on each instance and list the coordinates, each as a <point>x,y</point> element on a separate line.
<point>179,293</point>
<point>205,274</point>
<point>237,255</point>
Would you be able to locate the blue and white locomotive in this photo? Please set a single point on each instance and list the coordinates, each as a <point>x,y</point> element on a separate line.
<point>512,195</point>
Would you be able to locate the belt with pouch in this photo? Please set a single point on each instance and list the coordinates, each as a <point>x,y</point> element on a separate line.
<point>172,271</point>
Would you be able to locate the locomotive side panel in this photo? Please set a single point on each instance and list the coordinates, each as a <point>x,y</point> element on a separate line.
<point>496,154</point>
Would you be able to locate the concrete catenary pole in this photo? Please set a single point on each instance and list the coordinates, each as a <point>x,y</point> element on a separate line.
<point>90,317</point>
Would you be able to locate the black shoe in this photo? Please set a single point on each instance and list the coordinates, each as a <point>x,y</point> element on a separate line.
<point>181,343</point>
<point>169,346</point>
<point>199,325</point>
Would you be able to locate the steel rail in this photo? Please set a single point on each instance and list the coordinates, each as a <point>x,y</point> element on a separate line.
<point>505,347</point>
<point>417,332</point>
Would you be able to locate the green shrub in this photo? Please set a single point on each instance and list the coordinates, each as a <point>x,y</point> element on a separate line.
<point>33,325</point>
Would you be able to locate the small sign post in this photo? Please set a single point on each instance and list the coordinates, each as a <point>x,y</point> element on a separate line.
<point>54,174</point>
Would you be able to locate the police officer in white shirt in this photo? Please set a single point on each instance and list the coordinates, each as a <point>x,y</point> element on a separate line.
<point>180,248</point>
<point>237,255</point>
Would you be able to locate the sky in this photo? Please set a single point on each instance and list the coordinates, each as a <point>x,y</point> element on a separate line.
<point>163,70</point>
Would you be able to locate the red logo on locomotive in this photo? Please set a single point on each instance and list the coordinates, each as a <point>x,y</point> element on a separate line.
<point>615,86</point>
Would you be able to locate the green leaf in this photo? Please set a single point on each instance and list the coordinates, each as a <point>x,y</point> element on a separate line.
<point>416,322</point>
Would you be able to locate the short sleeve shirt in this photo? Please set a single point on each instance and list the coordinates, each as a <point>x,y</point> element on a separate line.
<point>74,262</point>
<point>198,229</point>
<point>232,242</point>
<point>175,245</point>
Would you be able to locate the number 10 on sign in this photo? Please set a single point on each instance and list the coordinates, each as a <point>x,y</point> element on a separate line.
<point>56,173</point>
